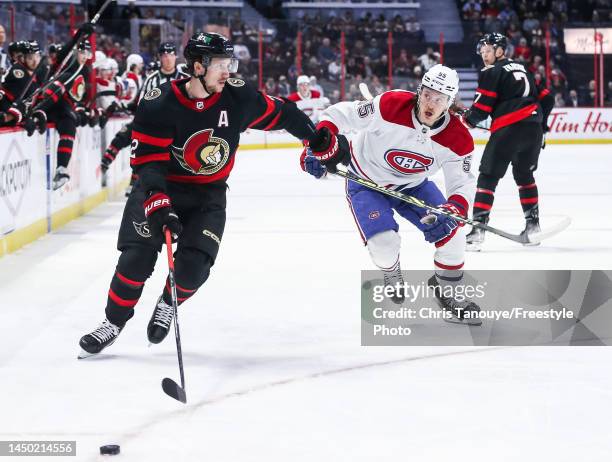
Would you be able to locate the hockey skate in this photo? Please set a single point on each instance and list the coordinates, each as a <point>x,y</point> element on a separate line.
<point>392,278</point>
<point>61,178</point>
<point>462,312</point>
<point>104,335</point>
<point>532,226</point>
<point>160,322</point>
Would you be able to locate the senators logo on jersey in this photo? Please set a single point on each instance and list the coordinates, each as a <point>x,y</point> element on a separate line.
<point>407,162</point>
<point>77,89</point>
<point>203,153</point>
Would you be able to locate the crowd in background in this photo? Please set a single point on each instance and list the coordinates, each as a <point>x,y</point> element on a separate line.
<point>366,60</point>
<point>525,23</point>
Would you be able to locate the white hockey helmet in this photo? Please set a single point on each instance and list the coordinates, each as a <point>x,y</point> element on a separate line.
<point>442,79</point>
<point>303,79</point>
<point>105,65</point>
<point>112,63</point>
<point>100,56</point>
<point>133,59</point>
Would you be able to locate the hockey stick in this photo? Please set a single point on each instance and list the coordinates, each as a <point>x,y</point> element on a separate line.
<point>170,387</point>
<point>520,238</point>
<point>66,59</point>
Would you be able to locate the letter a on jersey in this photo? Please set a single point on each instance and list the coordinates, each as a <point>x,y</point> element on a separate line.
<point>223,122</point>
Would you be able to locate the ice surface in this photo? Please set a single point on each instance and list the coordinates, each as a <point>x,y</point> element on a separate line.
<point>275,370</point>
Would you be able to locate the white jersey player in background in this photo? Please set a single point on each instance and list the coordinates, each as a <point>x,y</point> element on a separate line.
<point>309,101</point>
<point>401,140</point>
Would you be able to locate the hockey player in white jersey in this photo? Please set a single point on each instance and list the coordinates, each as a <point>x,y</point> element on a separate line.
<point>401,140</point>
<point>310,102</point>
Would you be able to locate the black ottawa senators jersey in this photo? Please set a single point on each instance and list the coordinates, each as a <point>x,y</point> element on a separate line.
<point>508,93</point>
<point>195,140</point>
<point>16,81</point>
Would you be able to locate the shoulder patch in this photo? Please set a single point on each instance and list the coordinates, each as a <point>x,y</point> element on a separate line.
<point>152,94</point>
<point>18,73</point>
<point>455,137</point>
<point>396,107</point>
<point>235,82</point>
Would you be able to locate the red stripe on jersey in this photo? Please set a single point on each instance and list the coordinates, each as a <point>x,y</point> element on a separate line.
<point>121,301</point>
<point>448,267</point>
<point>8,94</point>
<point>52,95</point>
<point>269,108</point>
<point>152,140</point>
<point>329,124</point>
<point>65,149</point>
<point>274,122</point>
<point>513,117</point>
<point>483,107</point>
<point>129,281</point>
<point>484,92</point>
<point>529,200</point>
<point>482,205</point>
<point>195,104</point>
<point>543,94</point>
<point>223,173</point>
<point>396,107</point>
<point>485,191</point>
<point>455,137</point>
<point>146,158</point>
<point>528,186</point>
<point>353,158</point>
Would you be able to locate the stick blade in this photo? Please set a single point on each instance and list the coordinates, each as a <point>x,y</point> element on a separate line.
<point>536,238</point>
<point>172,389</point>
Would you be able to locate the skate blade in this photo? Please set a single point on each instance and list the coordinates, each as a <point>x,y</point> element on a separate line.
<point>84,354</point>
<point>473,247</point>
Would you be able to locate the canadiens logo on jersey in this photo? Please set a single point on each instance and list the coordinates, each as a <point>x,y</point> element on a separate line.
<point>407,162</point>
<point>77,89</point>
<point>203,153</point>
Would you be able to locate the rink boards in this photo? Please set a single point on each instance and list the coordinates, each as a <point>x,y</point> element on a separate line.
<point>29,208</point>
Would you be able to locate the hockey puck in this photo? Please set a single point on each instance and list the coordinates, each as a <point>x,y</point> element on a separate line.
<point>110,449</point>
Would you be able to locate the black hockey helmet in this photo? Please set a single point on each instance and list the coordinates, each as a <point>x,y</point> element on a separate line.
<point>205,46</point>
<point>17,47</point>
<point>167,47</point>
<point>153,66</point>
<point>31,47</point>
<point>495,39</point>
<point>84,45</point>
<point>54,48</point>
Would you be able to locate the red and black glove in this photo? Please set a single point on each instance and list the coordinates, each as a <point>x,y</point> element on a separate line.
<point>160,214</point>
<point>330,149</point>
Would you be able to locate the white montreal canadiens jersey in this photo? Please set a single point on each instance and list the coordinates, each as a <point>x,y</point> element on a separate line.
<point>390,147</point>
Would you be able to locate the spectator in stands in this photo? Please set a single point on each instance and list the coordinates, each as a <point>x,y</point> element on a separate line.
<point>522,52</point>
<point>368,70</point>
<point>507,15</point>
<point>530,23</point>
<point>559,101</point>
<point>374,51</point>
<point>325,53</point>
<point>429,59</point>
<point>471,10</point>
<point>333,70</point>
<point>402,65</point>
<point>535,64</point>
<point>284,89</point>
<point>572,100</point>
<point>241,51</point>
<point>413,29</point>
<point>270,87</point>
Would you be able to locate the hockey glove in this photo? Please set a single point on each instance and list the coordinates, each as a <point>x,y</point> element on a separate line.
<point>160,214</point>
<point>440,228</point>
<point>330,149</point>
<point>36,122</point>
<point>82,116</point>
<point>310,164</point>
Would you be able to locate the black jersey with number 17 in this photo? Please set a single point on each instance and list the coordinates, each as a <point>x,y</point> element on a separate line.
<point>508,93</point>
<point>195,140</point>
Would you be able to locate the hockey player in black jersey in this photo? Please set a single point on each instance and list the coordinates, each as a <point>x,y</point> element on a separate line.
<point>184,141</point>
<point>519,110</point>
<point>22,80</point>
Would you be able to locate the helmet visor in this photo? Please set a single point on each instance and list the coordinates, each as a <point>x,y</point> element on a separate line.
<point>224,64</point>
